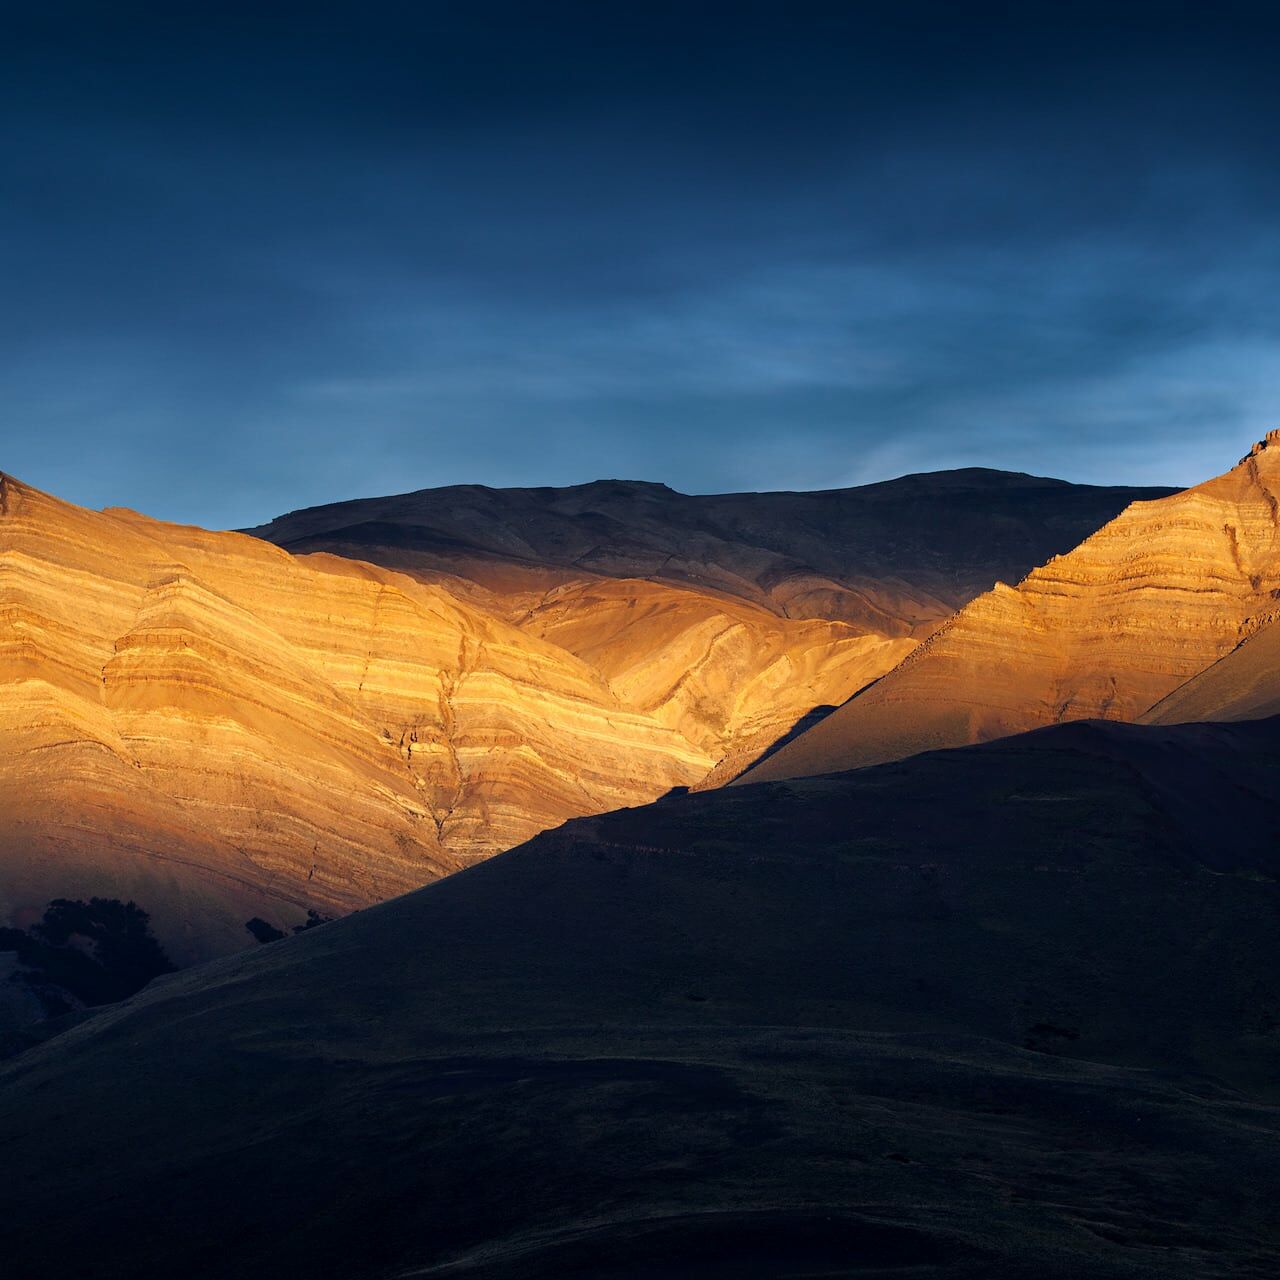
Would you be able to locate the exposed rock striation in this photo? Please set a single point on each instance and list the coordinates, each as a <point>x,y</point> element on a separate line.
<point>222,730</point>
<point>218,729</point>
<point>1165,590</point>
<point>726,617</point>
<point>1245,685</point>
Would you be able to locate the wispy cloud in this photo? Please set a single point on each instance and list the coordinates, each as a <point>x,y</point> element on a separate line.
<point>271,266</point>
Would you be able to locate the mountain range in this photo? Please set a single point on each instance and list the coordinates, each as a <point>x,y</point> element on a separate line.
<point>222,730</point>
<point>879,882</point>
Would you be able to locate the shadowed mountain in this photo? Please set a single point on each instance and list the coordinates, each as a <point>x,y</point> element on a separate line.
<point>1152,599</point>
<point>1008,1011</point>
<point>893,557</point>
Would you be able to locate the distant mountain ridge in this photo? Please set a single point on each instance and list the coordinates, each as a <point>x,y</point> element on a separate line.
<point>897,555</point>
<point>728,617</point>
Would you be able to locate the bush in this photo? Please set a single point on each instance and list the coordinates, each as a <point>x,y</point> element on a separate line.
<point>314,920</point>
<point>120,959</point>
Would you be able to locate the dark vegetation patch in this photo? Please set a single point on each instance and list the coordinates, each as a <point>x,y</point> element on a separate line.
<point>87,953</point>
<point>265,931</point>
<point>313,921</point>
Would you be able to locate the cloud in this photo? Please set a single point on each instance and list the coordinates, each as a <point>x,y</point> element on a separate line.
<point>263,262</point>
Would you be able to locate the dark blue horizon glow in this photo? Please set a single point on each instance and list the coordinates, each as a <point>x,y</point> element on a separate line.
<point>258,257</point>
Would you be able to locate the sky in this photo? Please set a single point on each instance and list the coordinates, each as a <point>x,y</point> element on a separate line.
<point>256,257</point>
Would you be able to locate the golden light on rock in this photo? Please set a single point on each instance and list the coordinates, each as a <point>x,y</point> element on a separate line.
<point>1110,630</point>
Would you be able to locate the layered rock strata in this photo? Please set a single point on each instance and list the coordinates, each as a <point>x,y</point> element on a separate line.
<point>728,618</point>
<point>1152,599</point>
<point>219,729</point>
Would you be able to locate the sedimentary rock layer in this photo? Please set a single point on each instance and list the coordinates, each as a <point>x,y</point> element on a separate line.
<point>1245,685</point>
<point>726,617</point>
<point>1153,598</point>
<point>216,728</point>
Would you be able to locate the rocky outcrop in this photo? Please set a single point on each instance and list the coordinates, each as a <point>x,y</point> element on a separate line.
<point>1153,598</point>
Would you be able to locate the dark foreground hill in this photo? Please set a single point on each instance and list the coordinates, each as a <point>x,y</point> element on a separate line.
<point>1005,1011</point>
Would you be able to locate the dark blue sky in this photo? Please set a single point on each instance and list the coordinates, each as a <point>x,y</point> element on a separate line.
<point>256,257</point>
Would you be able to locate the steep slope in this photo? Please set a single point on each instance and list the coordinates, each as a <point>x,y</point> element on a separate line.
<point>729,617</point>
<point>217,729</point>
<point>728,675</point>
<point>1245,685</point>
<point>1026,1029</point>
<point>1149,601</point>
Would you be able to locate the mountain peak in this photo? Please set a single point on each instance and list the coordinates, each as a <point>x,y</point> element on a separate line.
<point>1270,441</point>
<point>619,486</point>
<point>1109,630</point>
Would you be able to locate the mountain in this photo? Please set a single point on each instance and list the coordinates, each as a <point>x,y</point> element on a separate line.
<point>1008,1011</point>
<point>1149,601</point>
<point>219,730</point>
<point>894,557</point>
<point>728,617</point>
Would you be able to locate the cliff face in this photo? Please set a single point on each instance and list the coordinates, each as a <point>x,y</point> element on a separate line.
<point>215,728</point>
<point>1153,598</point>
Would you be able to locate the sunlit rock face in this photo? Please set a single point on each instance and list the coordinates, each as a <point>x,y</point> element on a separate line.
<point>729,676</point>
<point>1112,629</point>
<point>221,729</point>
<point>218,729</point>
<point>1244,685</point>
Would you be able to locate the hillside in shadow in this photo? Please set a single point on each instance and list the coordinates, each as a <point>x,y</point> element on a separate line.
<point>1003,1011</point>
